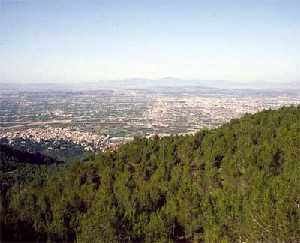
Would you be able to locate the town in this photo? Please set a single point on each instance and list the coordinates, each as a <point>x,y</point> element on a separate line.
<point>103,119</point>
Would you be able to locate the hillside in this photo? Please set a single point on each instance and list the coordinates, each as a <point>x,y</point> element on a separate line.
<point>11,158</point>
<point>239,182</point>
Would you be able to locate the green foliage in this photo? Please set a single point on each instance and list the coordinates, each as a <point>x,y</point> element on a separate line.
<point>239,182</point>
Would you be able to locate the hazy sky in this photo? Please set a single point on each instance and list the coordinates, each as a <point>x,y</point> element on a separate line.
<point>64,40</point>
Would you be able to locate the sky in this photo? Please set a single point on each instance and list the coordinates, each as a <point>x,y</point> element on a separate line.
<point>91,40</point>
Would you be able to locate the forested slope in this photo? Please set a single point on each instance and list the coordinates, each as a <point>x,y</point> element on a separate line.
<point>11,158</point>
<point>239,182</point>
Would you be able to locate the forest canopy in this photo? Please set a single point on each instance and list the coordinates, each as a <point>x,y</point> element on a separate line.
<point>238,182</point>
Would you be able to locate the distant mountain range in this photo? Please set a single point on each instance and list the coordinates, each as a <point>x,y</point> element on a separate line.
<point>147,83</point>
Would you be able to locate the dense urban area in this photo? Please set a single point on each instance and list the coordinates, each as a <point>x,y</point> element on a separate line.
<point>98,120</point>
